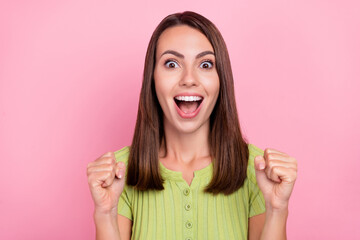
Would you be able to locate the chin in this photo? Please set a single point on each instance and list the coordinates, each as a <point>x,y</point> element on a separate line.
<point>189,127</point>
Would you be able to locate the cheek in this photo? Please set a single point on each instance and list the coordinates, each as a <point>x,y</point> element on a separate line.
<point>162,89</point>
<point>212,85</point>
<point>164,82</point>
<point>158,83</point>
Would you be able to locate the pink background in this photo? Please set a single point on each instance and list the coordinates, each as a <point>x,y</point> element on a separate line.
<point>70,75</point>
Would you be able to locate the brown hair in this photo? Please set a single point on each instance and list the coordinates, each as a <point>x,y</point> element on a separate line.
<point>228,147</point>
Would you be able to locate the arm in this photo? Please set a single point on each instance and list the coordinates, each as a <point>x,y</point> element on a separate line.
<point>276,173</point>
<point>256,225</point>
<point>112,227</point>
<point>275,225</point>
<point>125,226</point>
<point>269,225</point>
<point>106,226</point>
<point>106,182</point>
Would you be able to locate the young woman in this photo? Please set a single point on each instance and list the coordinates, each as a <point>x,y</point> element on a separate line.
<point>189,173</point>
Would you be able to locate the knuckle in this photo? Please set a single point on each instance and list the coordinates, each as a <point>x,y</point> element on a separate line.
<point>266,151</point>
<point>90,180</point>
<point>107,154</point>
<point>93,184</point>
<point>106,160</point>
<point>108,175</point>
<point>275,169</point>
<point>270,150</point>
<point>271,164</point>
<point>110,154</point>
<point>295,169</point>
<point>89,171</point>
<point>105,166</point>
<point>271,156</point>
<point>110,161</point>
<point>295,163</point>
<point>109,166</point>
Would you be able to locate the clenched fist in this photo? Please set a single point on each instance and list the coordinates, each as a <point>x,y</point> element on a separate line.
<point>106,180</point>
<point>276,173</point>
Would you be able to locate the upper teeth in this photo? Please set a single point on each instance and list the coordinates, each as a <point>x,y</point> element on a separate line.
<point>188,98</point>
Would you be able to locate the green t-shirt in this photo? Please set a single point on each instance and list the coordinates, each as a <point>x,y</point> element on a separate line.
<point>185,212</point>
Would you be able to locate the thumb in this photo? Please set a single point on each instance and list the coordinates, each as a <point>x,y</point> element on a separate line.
<point>259,163</point>
<point>120,170</point>
<point>261,177</point>
<point>119,181</point>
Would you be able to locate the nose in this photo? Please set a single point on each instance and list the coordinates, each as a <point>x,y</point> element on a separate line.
<point>188,78</point>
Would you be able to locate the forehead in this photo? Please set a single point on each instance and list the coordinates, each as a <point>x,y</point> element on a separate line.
<point>184,39</point>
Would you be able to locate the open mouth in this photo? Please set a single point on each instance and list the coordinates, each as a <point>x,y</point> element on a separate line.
<point>188,104</point>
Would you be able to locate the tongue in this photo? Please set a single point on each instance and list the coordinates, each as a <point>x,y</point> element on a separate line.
<point>188,107</point>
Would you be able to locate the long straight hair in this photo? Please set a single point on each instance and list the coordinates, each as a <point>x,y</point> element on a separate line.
<point>228,147</point>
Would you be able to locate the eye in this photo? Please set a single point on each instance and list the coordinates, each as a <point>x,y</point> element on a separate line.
<point>207,64</point>
<point>171,64</point>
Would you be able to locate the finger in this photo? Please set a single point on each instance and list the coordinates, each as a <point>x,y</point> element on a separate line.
<point>108,154</point>
<point>272,150</point>
<point>109,179</point>
<point>276,156</point>
<point>278,163</point>
<point>270,165</point>
<point>102,168</point>
<point>279,157</point>
<point>286,175</point>
<point>100,161</point>
<point>270,173</point>
<point>103,179</point>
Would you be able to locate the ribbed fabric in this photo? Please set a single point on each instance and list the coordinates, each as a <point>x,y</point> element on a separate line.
<point>185,212</point>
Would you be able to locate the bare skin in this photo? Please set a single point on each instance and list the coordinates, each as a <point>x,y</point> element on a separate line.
<point>187,141</point>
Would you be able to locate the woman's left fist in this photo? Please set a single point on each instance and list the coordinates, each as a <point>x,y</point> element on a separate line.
<point>276,173</point>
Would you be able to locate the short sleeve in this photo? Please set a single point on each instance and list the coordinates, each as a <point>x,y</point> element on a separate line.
<point>256,198</point>
<point>124,204</point>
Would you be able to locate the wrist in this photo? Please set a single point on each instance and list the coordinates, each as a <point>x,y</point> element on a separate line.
<point>275,224</point>
<point>105,219</point>
<point>102,213</point>
<point>278,208</point>
<point>277,213</point>
<point>106,225</point>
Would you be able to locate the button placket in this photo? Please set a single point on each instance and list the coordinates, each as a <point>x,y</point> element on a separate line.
<point>186,191</point>
<point>188,215</point>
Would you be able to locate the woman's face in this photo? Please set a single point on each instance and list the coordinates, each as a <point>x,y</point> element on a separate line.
<point>186,80</point>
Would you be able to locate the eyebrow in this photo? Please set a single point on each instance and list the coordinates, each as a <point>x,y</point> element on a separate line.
<point>182,56</point>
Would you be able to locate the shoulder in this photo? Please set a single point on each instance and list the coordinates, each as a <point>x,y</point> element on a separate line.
<point>122,155</point>
<point>253,152</point>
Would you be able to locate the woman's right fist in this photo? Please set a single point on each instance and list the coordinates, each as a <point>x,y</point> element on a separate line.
<point>106,180</point>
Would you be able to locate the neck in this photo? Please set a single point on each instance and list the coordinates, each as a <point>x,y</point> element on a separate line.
<point>185,148</point>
